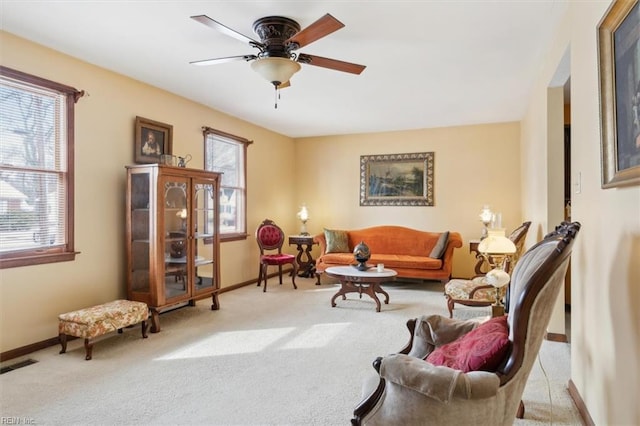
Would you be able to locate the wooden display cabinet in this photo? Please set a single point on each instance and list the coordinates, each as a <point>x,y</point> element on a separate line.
<point>173,242</point>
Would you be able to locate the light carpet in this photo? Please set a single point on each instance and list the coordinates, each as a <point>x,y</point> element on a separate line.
<point>284,357</point>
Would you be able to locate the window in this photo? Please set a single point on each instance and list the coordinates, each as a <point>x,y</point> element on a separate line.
<point>36,169</point>
<point>227,154</point>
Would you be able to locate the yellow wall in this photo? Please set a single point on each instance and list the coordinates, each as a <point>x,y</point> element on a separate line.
<point>605,321</point>
<point>32,297</point>
<point>474,165</point>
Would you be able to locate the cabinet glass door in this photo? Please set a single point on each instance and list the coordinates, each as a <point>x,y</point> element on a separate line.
<point>205,227</point>
<point>140,223</point>
<point>175,244</point>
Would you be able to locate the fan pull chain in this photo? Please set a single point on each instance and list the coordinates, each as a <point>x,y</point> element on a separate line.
<point>277,95</point>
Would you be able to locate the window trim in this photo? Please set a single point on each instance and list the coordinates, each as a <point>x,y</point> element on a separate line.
<point>66,252</point>
<point>245,143</point>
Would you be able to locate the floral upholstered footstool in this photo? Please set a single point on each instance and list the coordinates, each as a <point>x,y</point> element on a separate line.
<point>97,320</point>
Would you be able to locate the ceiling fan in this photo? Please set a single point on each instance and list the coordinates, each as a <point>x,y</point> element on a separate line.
<point>280,37</point>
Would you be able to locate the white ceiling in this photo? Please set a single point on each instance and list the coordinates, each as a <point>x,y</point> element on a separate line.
<point>429,63</point>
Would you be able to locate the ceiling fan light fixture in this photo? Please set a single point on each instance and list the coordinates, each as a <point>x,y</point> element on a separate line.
<point>275,70</point>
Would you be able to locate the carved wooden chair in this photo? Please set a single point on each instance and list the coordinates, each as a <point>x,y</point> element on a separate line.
<point>447,373</point>
<point>475,292</point>
<point>270,238</point>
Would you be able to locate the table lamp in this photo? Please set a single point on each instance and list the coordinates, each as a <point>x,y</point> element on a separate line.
<point>499,280</point>
<point>485,216</point>
<point>496,249</point>
<point>303,215</point>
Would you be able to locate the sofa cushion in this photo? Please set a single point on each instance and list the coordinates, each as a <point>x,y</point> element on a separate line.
<point>391,261</point>
<point>337,241</point>
<point>395,240</point>
<point>482,349</point>
<point>438,250</point>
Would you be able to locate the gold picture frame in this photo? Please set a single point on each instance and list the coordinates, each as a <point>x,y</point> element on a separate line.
<point>397,179</point>
<point>618,50</point>
<point>152,139</point>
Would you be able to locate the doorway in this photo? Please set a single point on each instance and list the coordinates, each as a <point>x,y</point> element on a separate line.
<point>559,170</point>
<point>567,198</point>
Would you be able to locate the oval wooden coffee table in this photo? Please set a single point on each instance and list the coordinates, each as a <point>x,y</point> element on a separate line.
<point>355,281</point>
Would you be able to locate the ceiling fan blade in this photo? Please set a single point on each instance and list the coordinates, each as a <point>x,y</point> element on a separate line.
<point>322,27</point>
<point>224,60</point>
<point>204,19</point>
<point>333,64</point>
<point>285,85</point>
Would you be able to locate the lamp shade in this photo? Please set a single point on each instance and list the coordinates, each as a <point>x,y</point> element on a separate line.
<point>275,70</point>
<point>497,278</point>
<point>497,243</point>
<point>486,214</point>
<point>303,214</point>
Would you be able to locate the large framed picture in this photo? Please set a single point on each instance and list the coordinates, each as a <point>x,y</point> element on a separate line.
<point>397,179</point>
<point>619,69</point>
<point>152,139</point>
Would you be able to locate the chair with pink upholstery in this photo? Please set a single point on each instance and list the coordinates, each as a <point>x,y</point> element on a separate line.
<point>270,238</point>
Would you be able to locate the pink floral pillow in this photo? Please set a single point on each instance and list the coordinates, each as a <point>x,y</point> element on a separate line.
<point>482,349</point>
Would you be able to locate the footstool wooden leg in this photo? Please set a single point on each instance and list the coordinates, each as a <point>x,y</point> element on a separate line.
<point>89,348</point>
<point>63,342</point>
<point>145,325</point>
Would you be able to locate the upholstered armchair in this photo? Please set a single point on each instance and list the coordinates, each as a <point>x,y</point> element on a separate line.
<point>468,372</point>
<point>476,292</point>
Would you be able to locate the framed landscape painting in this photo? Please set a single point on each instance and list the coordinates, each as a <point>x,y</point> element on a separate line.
<point>397,179</point>
<point>619,71</point>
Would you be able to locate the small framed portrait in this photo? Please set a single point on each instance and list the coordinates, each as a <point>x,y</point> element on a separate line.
<point>152,139</point>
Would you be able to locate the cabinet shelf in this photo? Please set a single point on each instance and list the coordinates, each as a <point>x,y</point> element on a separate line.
<point>202,235</point>
<point>174,239</point>
<point>204,262</point>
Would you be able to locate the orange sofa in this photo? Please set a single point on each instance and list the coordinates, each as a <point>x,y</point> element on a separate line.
<point>404,250</point>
